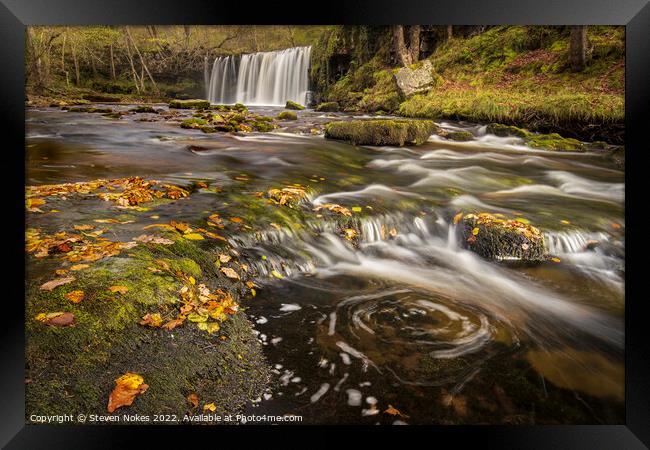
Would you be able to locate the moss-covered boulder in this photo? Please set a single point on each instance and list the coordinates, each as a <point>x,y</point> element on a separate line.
<point>381,132</point>
<point>287,115</point>
<point>189,104</point>
<point>144,109</point>
<point>194,122</point>
<point>293,105</point>
<point>498,238</point>
<point>328,107</point>
<point>460,136</point>
<point>113,328</point>
<point>552,141</point>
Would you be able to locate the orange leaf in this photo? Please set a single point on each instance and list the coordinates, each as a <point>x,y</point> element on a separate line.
<point>173,324</point>
<point>75,296</point>
<point>57,282</point>
<point>126,388</point>
<point>193,399</point>
<point>151,320</point>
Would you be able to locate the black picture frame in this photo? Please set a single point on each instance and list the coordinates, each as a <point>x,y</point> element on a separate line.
<point>15,15</point>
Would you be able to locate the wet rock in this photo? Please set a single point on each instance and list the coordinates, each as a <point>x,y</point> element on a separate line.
<point>90,110</point>
<point>194,122</point>
<point>552,141</point>
<point>495,237</point>
<point>382,132</point>
<point>189,104</point>
<point>328,107</point>
<point>460,136</point>
<point>287,115</point>
<point>414,81</point>
<point>144,109</point>
<point>293,105</point>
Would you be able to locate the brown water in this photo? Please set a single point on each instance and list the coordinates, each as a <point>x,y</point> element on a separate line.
<point>411,320</point>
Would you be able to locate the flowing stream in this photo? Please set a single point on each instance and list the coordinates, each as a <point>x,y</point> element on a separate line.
<point>406,317</point>
<point>264,78</point>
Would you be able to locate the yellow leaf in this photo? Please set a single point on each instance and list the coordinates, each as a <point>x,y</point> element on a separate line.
<point>75,296</point>
<point>224,258</point>
<point>565,222</point>
<point>556,260</point>
<point>230,273</point>
<point>192,280</point>
<point>475,231</point>
<point>210,407</point>
<point>276,274</point>
<point>120,289</point>
<point>458,217</point>
<point>193,237</point>
<point>356,208</point>
<point>83,227</point>
<point>79,267</point>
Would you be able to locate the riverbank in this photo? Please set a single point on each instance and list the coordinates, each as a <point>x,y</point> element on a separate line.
<point>512,75</point>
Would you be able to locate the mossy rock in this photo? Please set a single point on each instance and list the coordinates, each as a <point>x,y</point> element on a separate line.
<point>293,105</point>
<point>263,126</point>
<point>501,239</point>
<point>73,368</point>
<point>90,110</point>
<point>113,115</point>
<point>381,132</point>
<point>239,107</point>
<point>460,136</point>
<point>328,107</point>
<point>287,115</point>
<point>506,130</point>
<point>552,141</point>
<point>102,98</point>
<point>189,104</point>
<point>144,109</point>
<point>194,122</point>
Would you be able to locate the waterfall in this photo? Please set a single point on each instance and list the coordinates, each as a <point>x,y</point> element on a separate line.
<point>264,78</point>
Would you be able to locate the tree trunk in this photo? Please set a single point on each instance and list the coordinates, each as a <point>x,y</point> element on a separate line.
<point>403,54</point>
<point>578,48</point>
<point>142,63</point>
<point>112,63</point>
<point>450,32</point>
<point>414,42</point>
<point>76,63</point>
<point>130,57</point>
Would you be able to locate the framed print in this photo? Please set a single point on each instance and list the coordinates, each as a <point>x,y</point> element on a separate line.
<point>413,214</point>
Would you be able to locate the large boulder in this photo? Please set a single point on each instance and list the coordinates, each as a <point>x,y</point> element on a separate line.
<point>498,238</point>
<point>414,81</point>
<point>381,132</point>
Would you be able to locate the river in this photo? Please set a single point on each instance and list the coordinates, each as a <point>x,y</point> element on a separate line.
<point>406,317</point>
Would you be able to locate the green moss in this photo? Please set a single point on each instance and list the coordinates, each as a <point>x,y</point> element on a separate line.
<point>460,136</point>
<point>381,132</point>
<point>189,104</point>
<point>293,105</point>
<point>193,123</point>
<point>144,109</point>
<point>506,130</point>
<point>263,126</point>
<point>552,141</point>
<point>72,369</point>
<point>328,107</point>
<point>287,115</point>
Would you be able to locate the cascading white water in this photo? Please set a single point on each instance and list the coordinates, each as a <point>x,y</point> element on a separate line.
<point>265,78</point>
